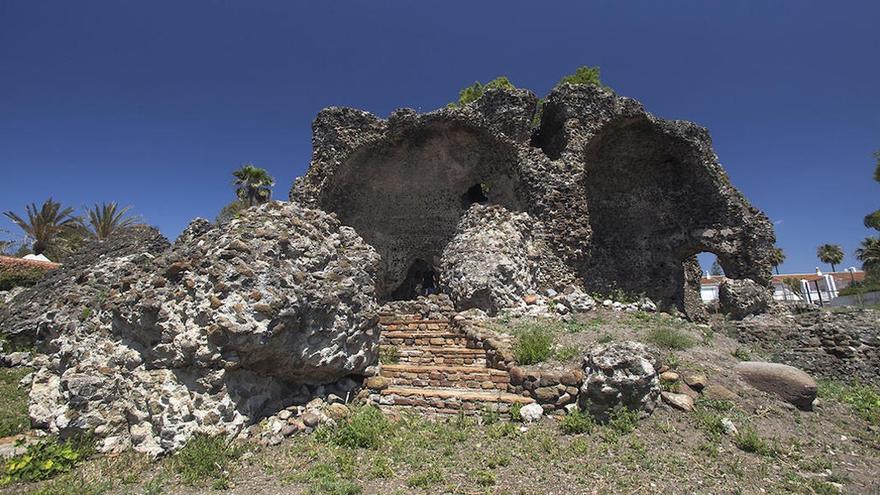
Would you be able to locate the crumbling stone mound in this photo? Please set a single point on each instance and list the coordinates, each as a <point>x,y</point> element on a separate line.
<point>619,375</point>
<point>495,258</point>
<point>197,226</point>
<point>741,298</point>
<point>63,292</point>
<point>404,183</point>
<point>626,200</point>
<point>840,345</point>
<point>225,328</point>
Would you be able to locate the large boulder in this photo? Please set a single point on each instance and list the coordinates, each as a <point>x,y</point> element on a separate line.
<point>619,375</point>
<point>741,298</point>
<point>62,293</point>
<point>495,258</point>
<point>789,383</point>
<point>230,325</point>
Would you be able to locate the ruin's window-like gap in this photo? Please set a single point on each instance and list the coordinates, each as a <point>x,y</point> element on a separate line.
<point>476,194</point>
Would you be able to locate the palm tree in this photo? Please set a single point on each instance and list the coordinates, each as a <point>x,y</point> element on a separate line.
<point>872,220</point>
<point>831,254</point>
<point>777,257</point>
<point>46,225</point>
<point>254,185</point>
<point>107,218</point>
<point>869,254</point>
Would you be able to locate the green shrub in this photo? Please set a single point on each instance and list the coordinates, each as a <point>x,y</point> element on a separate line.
<point>670,338</point>
<point>515,414</point>
<point>46,458</point>
<point>623,421</point>
<point>605,338</point>
<point>861,287</point>
<point>576,422</point>
<point>473,92</point>
<point>204,458</point>
<point>389,355</point>
<point>14,406</point>
<point>534,345</point>
<point>583,75</point>
<point>502,430</point>
<point>19,277</point>
<point>364,428</point>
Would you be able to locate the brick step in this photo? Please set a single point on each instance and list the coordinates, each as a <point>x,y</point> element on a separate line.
<point>448,401</point>
<point>414,324</point>
<point>460,377</point>
<point>430,355</point>
<point>424,338</point>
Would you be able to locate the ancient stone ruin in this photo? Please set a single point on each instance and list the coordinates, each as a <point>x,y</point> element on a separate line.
<point>146,343</point>
<point>601,196</point>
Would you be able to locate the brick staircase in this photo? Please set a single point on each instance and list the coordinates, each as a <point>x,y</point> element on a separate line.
<point>438,370</point>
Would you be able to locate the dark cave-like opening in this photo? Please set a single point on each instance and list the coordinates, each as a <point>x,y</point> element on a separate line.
<point>421,280</point>
<point>406,196</point>
<point>476,194</point>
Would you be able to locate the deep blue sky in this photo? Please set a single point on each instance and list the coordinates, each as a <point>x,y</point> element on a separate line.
<point>154,103</point>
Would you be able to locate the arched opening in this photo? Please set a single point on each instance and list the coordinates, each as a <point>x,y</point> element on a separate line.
<point>421,280</point>
<point>646,195</point>
<point>711,274</point>
<point>406,194</point>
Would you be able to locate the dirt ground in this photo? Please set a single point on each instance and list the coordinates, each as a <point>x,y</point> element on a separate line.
<point>778,449</point>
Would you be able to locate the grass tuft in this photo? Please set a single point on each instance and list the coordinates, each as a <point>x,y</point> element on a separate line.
<point>669,337</point>
<point>576,422</point>
<point>14,406</point>
<point>205,458</point>
<point>749,440</point>
<point>863,399</point>
<point>534,345</point>
<point>364,428</point>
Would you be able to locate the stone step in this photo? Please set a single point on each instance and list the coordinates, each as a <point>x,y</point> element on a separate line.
<point>431,355</point>
<point>460,377</point>
<point>448,401</point>
<point>414,324</point>
<point>422,337</point>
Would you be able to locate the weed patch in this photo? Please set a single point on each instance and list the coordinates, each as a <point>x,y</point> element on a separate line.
<point>576,423</point>
<point>45,459</point>
<point>864,400</point>
<point>669,337</point>
<point>742,353</point>
<point>534,345</point>
<point>363,429</point>
<point>749,440</point>
<point>389,355</point>
<point>14,406</point>
<point>205,458</point>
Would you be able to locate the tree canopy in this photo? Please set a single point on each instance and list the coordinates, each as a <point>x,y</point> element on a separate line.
<point>831,254</point>
<point>107,218</point>
<point>48,225</point>
<point>253,185</point>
